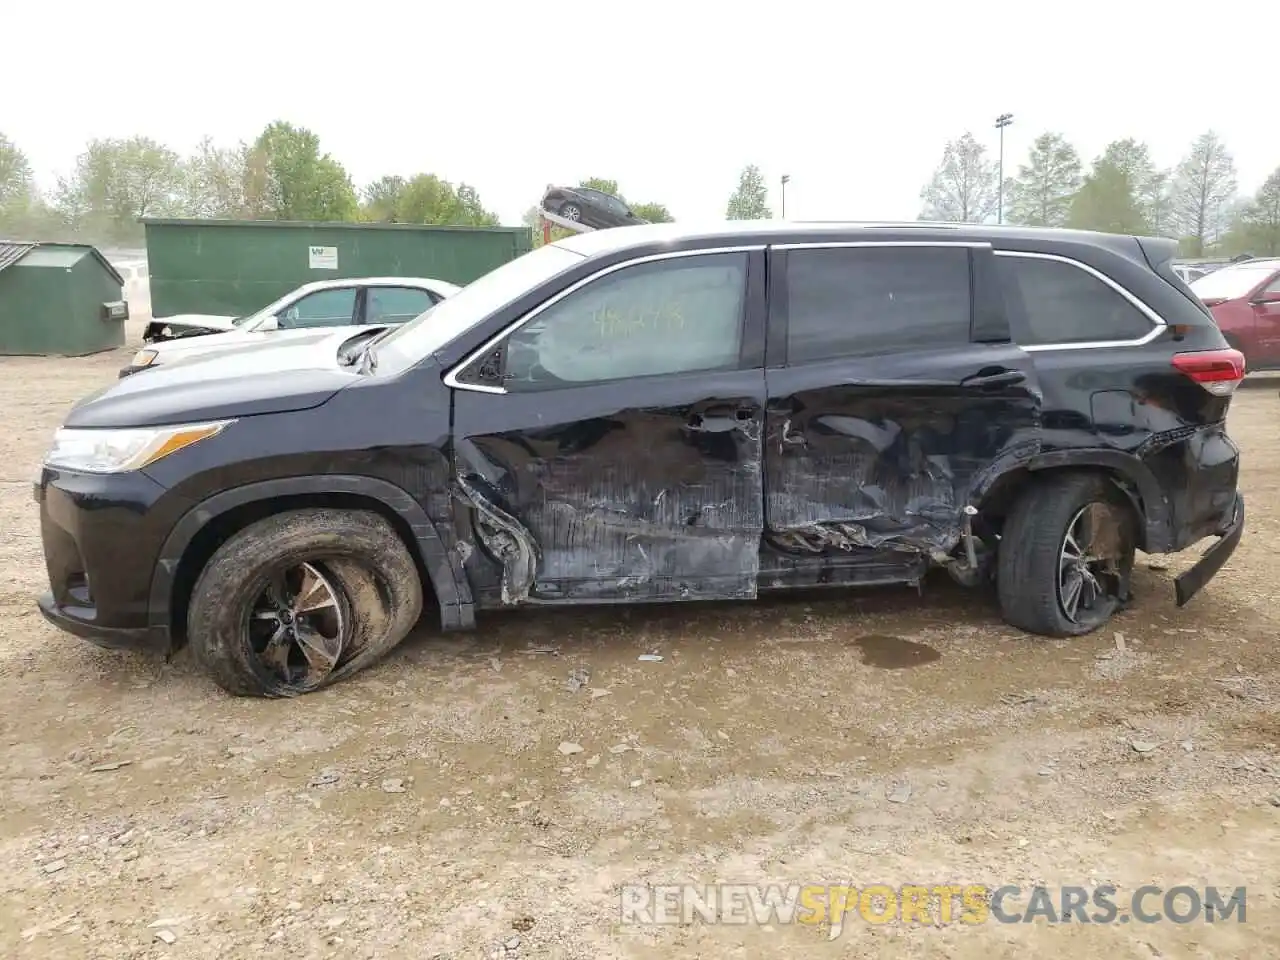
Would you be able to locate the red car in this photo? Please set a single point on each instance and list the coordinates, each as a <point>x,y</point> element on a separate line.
<point>1245,301</point>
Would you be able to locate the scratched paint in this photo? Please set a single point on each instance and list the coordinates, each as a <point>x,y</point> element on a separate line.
<point>596,519</point>
<point>897,477</point>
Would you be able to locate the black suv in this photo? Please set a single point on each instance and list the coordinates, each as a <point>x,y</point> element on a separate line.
<point>661,414</point>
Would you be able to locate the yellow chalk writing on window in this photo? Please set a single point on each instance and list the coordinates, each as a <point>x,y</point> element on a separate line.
<point>614,324</point>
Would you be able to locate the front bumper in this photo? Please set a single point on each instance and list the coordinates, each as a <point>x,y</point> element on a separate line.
<point>101,535</point>
<point>78,621</point>
<point>1190,583</point>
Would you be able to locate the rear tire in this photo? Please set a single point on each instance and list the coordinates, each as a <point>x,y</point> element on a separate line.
<point>571,211</point>
<point>1040,571</point>
<point>302,599</point>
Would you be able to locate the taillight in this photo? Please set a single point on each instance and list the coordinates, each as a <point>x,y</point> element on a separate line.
<point>1218,371</point>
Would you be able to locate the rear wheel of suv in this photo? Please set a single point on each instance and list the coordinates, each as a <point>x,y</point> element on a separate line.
<point>1066,553</point>
<point>302,599</point>
<point>570,211</point>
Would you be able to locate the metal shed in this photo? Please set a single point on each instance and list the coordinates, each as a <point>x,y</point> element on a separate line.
<point>234,267</point>
<point>58,298</point>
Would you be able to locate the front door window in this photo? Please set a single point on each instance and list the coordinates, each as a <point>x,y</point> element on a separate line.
<point>666,317</point>
<point>323,308</point>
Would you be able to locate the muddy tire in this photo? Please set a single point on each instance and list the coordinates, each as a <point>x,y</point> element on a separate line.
<point>1066,553</point>
<point>302,599</point>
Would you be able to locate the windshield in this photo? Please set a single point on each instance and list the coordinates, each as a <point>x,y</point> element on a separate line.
<point>428,332</point>
<point>1231,282</point>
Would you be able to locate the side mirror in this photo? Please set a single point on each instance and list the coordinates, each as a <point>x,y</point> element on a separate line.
<point>270,323</point>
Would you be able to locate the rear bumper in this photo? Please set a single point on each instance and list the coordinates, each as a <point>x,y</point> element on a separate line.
<point>1190,583</point>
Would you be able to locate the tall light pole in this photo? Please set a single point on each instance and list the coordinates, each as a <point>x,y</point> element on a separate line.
<point>1002,121</point>
<point>786,178</point>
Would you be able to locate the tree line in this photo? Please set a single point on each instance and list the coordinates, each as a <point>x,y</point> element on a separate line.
<point>1122,190</point>
<point>285,175</point>
<point>282,175</point>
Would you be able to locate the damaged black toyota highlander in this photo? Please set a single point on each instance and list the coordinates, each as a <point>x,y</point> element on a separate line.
<point>661,414</point>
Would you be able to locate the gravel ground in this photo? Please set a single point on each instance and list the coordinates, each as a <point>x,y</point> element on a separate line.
<point>438,804</point>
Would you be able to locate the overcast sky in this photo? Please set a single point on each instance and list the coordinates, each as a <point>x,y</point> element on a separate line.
<point>853,99</point>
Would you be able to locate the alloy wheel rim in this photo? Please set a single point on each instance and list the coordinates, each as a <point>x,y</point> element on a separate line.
<point>298,624</point>
<point>1087,572</point>
<point>572,213</point>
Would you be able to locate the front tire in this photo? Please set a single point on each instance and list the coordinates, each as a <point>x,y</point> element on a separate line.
<point>1066,554</point>
<point>302,599</point>
<point>571,211</point>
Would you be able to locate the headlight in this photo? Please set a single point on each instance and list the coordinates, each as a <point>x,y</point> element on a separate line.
<point>144,358</point>
<point>119,451</point>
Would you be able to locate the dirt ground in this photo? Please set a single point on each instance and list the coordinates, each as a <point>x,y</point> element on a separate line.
<point>430,808</point>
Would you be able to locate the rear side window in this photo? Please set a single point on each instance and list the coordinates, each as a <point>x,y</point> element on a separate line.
<point>844,302</point>
<point>1053,302</point>
<point>395,304</point>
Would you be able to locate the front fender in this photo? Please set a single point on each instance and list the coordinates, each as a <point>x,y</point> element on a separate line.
<point>457,610</point>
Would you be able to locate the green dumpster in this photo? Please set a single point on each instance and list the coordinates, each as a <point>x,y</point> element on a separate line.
<point>58,298</point>
<point>234,267</point>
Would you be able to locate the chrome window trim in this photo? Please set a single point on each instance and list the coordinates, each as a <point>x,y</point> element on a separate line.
<point>855,244</point>
<point>1158,322</point>
<point>843,244</point>
<point>451,378</point>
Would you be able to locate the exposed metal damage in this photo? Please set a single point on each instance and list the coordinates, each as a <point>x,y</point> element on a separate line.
<point>589,525</point>
<point>902,479</point>
<point>509,543</point>
<point>865,500</point>
<point>571,519</point>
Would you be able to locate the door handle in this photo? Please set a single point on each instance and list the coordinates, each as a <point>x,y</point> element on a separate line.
<point>989,381</point>
<point>718,420</point>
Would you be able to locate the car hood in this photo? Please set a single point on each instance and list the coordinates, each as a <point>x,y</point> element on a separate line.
<point>193,321</point>
<point>270,378</point>
<point>185,348</point>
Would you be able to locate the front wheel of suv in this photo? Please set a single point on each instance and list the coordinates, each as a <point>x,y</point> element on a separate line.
<point>302,599</point>
<point>1066,554</point>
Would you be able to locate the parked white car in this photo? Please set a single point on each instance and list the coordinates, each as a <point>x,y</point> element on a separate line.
<point>323,307</point>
